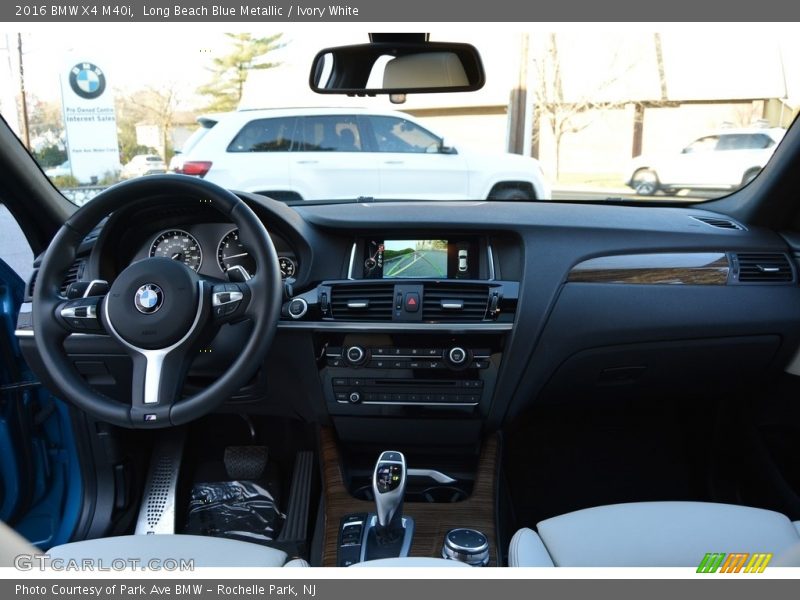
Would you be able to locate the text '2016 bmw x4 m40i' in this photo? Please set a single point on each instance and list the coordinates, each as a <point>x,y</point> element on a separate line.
<point>335,334</point>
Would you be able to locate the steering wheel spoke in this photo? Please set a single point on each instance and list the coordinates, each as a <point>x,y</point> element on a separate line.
<point>159,372</point>
<point>157,380</point>
<point>81,315</point>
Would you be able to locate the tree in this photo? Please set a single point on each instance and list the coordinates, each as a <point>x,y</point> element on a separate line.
<point>159,107</point>
<point>565,115</point>
<point>45,118</point>
<point>50,156</point>
<point>229,72</point>
<point>148,106</point>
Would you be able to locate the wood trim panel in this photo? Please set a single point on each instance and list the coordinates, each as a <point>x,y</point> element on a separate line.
<point>432,521</point>
<point>690,268</point>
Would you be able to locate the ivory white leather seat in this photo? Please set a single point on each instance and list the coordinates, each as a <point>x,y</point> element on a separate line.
<point>655,534</point>
<point>209,552</point>
<point>411,561</point>
<point>204,551</point>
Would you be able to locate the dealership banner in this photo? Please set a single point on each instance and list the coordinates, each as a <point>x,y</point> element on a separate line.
<point>393,589</point>
<point>461,11</point>
<point>89,121</point>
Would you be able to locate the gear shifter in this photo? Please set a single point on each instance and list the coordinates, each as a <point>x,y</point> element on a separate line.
<point>389,533</point>
<point>389,487</point>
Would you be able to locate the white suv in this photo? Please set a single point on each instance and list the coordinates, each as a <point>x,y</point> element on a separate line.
<point>331,153</point>
<point>727,159</point>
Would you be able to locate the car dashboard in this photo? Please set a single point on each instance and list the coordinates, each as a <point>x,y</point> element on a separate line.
<point>431,323</point>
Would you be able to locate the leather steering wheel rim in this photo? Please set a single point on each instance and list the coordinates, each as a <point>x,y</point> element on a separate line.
<point>263,294</point>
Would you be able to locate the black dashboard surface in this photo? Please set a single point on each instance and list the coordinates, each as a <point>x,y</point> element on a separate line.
<point>556,320</point>
<point>537,245</point>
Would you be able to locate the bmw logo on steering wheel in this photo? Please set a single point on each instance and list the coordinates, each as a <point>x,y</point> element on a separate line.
<point>149,298</point>
<point>87,80</point>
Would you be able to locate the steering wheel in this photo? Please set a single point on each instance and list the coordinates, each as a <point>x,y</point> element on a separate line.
<point>158,309</point>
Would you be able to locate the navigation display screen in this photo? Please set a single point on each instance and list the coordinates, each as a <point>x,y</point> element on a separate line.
<point>418,259</point>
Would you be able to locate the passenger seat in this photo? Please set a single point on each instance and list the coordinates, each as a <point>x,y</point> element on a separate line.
<point>655,534</point>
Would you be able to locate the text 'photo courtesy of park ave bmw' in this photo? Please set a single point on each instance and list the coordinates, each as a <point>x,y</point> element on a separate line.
<point>312,296</point>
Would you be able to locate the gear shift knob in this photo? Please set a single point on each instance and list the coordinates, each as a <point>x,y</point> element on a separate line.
<point>389,487</point>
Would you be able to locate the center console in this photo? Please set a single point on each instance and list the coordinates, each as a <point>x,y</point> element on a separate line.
<point>409,345</point>
<point>388,533</point>
<point>394,388</point>
<point>415,331</point>
<point>377,506</point>
<point>393,373</point>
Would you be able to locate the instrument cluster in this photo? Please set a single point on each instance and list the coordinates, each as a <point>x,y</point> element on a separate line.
<point>214,248</point>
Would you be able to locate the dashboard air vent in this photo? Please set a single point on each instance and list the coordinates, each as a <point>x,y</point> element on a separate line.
<point>455,302</point>
<point>720,222</point>
<point>364,302</point>
<point>31,285</point>
<point>766,267</point>
<point>73,274</point>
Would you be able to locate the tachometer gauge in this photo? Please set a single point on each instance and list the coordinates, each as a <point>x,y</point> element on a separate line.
<point>231,253</point>
<point>287,265</point>
<point>178,245</point>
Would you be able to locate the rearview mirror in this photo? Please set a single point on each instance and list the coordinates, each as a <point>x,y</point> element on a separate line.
<point>397,68</point>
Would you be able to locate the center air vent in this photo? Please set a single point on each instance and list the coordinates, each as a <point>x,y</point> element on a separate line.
<point>364,302</point>
<point>764,267</point>
<point>455,302</point>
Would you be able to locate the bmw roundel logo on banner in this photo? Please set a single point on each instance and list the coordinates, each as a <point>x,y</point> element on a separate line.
<point>87,80</point>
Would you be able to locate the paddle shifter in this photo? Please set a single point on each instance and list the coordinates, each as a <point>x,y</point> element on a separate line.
<point>389,487</point>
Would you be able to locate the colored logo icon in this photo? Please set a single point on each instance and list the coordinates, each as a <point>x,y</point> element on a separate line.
<point>736,562</point>
<point>87,80</point>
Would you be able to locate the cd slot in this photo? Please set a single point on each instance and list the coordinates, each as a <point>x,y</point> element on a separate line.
<point>430,383</point>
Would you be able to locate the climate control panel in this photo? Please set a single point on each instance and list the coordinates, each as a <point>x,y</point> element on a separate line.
<point>454,358</point>
<point>409,375</point>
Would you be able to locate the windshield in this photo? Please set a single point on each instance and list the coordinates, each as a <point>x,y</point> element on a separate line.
<point>671,113</point>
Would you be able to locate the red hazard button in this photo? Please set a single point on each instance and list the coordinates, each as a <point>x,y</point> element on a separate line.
<point>412,302</point>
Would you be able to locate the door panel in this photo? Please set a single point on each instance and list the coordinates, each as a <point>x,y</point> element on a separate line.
<point>40,477</point>
<point>331,159</point>
<point>257,160</point>
<point>412,165</point>
<point>695,165</point>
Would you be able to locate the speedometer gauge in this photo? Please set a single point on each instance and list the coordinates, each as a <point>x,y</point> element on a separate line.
<point>231,253</point>
<point>178,245</point>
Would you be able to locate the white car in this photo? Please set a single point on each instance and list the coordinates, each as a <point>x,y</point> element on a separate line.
<point>62,170</point>
<point>727,159</point>
<point>462,261</point>
<point>143,164</point>
<point>331,153</point>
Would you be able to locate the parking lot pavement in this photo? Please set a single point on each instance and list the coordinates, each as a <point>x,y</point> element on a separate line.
<point>422,263</point>
<point>588,194</point>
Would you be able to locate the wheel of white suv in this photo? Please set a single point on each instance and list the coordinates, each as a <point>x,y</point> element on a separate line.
<point>749,175</point>
<point>645,182</point>
<point>510,194</point>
